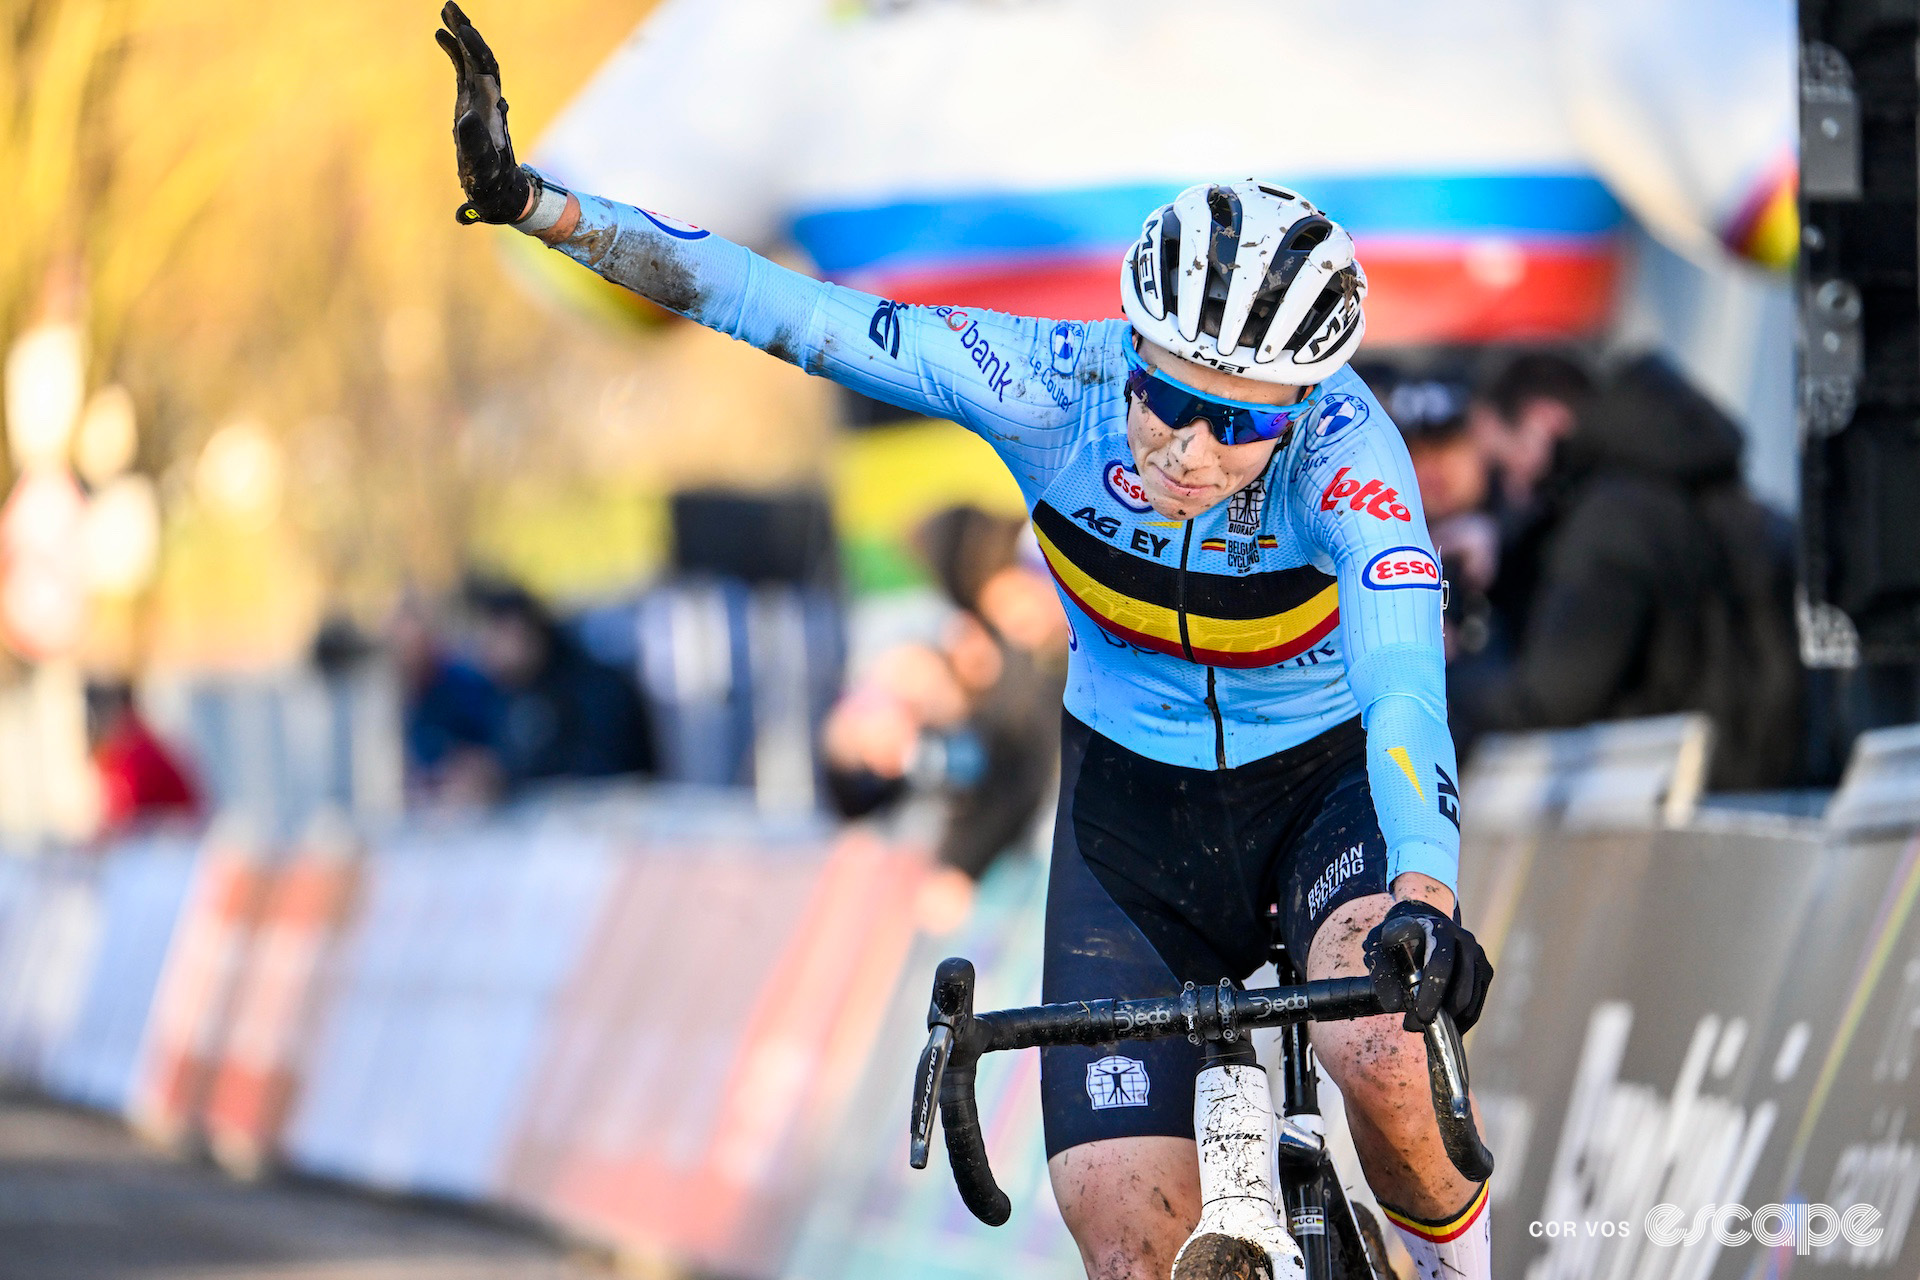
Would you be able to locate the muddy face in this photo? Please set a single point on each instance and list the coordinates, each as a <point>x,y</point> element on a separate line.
<point>1183,467</point>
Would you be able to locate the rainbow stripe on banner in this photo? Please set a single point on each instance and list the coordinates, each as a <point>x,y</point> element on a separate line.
<point>1449,257</point>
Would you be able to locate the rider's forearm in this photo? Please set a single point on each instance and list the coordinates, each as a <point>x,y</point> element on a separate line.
<point>692,272</point>
<point>1410,760</point>
<point>974,366</point>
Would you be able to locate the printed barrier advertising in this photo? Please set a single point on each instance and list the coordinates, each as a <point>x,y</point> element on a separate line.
<point>1698,1055</point>
<point>670,1023</point>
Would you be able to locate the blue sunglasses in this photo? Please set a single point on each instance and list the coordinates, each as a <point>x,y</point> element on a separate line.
<point>1231,421</point>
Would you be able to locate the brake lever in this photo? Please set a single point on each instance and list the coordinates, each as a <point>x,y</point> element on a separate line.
<point>926,1092</point>
<point>1447,1080</point>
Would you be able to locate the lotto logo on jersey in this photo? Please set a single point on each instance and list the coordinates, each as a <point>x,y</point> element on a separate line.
<point>1338,415</point>
<point>1401,568</point>
<point>1124,484</point>
<point>1373,497</point>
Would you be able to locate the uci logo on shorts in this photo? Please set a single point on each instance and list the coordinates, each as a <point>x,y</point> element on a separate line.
<point>1117,1081</point>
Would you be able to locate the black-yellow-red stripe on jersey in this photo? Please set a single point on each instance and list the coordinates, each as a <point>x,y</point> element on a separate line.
<point>1252,619</point>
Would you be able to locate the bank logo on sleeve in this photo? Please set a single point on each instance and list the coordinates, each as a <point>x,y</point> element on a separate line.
<point>1124,483</point>
<point>674,227</point>
<point>1117,1081</point>
<point>1338,414</point>
<point>1401,568</point>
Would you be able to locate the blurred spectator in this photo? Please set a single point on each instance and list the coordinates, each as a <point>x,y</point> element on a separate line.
<point>562,714</point>
<point>980,716</point>
<point>1453,471</point>
<point>140,779</point>
<point>452,712</point>
<point>1661,585</point>
<point>1519,419</point>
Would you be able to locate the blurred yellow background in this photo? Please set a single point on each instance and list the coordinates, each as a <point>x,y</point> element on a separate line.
<point>248,211</point>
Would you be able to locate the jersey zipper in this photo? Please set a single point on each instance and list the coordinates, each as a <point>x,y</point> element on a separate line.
<point>1186,645</point>
<point>1219,725</point>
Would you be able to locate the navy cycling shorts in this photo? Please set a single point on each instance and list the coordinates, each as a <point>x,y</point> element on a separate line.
<point>1162,875</point>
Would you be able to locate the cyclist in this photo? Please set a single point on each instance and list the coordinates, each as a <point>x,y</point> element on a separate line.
<point>1254,707</point>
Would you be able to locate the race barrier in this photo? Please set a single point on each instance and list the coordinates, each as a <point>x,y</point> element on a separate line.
<point>673,1023</point>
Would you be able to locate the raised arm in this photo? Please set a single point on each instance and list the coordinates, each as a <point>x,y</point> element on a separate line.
<point>1352,493</point>
<point>998,375</point>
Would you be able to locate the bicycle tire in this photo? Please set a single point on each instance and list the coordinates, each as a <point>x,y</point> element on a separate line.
<point>1374,1242</point>
<point>1355,1248</point>
<point>1217,1257</point>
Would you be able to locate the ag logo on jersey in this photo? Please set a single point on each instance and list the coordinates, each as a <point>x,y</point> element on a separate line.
<point>1123,482</point>
<point>1338,414</point>
<point>1066,340</point>
<point>1402,567</point>
<point>1117,1081</point>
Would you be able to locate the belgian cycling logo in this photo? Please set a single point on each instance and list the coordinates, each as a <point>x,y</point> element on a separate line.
<point>1123,482</point>
<point>674,227</point>
<point>1338,872</point>
<point>885,329</point>
<point>1065,342</point>
<point>1337,414</point>
<point>1247,508</point>
<point>1117,1081</point>
<point>1401,568</point>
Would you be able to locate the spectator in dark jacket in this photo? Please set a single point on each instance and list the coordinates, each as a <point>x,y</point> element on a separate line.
<point>563,714</point>
<point>452,712</point>
<point>1661,586</point>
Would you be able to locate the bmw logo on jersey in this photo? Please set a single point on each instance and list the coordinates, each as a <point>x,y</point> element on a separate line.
<point>1338,415</point>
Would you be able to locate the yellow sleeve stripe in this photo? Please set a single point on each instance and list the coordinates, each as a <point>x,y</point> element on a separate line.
<point>1405,761</point>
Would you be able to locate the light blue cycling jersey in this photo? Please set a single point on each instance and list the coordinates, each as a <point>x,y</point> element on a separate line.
<point>1309,597</point>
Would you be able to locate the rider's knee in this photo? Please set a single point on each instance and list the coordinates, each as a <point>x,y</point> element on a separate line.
<point>1374,1063</point>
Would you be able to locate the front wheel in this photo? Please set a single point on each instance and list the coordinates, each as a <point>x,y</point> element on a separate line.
<point>1216,1257</point>
<point>1374,1267</point>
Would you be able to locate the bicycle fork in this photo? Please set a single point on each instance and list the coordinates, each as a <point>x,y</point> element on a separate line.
<point>1234,1120</point>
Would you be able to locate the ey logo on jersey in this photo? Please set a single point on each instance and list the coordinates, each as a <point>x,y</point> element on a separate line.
<point>1123,482</point>
<point>1338,414</point>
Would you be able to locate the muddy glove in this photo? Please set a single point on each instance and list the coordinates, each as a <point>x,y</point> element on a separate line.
<point>1453,974</point>
<point>498,189</point>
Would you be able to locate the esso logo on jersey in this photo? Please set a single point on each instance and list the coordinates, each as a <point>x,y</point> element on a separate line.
<point>675,227</point>
<point>1338,414</point>
<point>1123,482</point>
<point>1401,568</point>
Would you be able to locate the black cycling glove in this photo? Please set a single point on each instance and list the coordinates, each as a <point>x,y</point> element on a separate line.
<point>497,188</point>
<point>1454,974</point>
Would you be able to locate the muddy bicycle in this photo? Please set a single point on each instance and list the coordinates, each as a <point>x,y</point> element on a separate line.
<point>1272,1207</point>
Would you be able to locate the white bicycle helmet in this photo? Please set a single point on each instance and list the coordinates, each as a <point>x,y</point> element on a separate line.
<point>1250,279</point>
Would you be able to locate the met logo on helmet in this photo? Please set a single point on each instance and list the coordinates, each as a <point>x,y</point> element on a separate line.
<point>1123,482</point>
<point>1338,414</point>
<point>1401,568</point>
